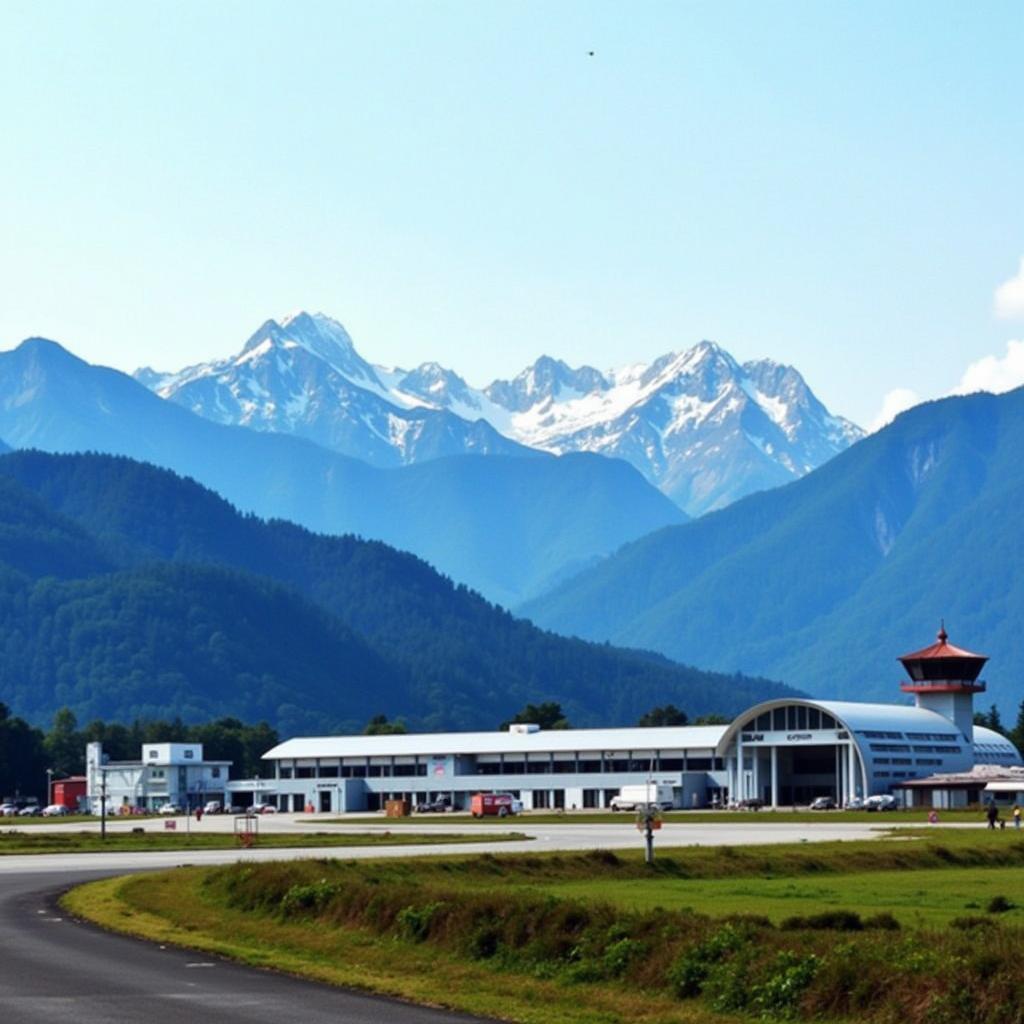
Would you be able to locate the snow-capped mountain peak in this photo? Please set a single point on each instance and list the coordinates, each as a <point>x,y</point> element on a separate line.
<point>700,426</point>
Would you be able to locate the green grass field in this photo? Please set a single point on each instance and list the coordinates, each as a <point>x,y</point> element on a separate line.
<point>93,842</point>
<point>910,931</point>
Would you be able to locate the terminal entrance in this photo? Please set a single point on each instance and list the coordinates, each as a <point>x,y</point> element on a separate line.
<point>805,773</point>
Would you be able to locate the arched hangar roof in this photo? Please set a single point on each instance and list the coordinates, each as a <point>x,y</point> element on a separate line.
<point>852,716</point>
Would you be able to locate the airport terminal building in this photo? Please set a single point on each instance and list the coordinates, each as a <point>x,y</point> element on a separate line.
<point>781,752</point>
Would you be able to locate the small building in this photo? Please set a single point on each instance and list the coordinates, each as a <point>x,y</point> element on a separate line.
<point>70,792</point>
<point>173,773</point>
<point>979,785</point>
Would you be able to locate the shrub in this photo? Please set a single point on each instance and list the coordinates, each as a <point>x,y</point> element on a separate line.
<point>883,922</point>
<point>778,995</point>
<point>414,922</point>
<point>308,898</point>
<point>999,905</point>
<point>830,920</point>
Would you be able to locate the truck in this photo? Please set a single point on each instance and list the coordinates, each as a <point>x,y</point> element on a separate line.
<point>499,805</point>
<point>629,798</point>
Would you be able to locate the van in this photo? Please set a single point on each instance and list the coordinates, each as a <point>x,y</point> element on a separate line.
<point>499,805</point>
<point>213,807</point>
<point>630,798</point>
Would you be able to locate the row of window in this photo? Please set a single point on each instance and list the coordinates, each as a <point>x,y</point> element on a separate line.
<point>918,748</point>
<point>792,717</point>
<point>376,771</point>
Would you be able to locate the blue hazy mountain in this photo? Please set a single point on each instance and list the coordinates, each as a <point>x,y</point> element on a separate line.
<point>506,525</point>
<point>126,590</point>
<point>825,581</point>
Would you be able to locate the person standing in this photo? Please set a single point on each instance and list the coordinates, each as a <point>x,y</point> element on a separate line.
<point>1016,815</point>
<point>992,814</point>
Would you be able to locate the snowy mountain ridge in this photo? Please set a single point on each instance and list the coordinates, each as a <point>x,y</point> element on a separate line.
<point>701,427</point>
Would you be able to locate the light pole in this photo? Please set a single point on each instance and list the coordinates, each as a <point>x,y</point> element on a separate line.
<point>647,820</point>
<point>103,804</point>
<point>49,786</point>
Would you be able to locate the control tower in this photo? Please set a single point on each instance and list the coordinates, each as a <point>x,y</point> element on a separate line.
<point>944,679</point>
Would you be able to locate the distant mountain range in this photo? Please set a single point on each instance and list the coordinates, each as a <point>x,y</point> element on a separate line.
<point>824,582</point>
<point>127,591</point>
<point>506,525</point>
<point>699,426</point>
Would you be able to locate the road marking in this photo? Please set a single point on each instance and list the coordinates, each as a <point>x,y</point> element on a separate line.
<point>200,965</point>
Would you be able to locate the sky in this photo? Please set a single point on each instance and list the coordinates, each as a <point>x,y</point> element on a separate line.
<point>832,185</point>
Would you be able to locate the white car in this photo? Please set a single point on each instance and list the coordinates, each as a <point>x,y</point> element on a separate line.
<point>8,810</point>
<point>55,811</point>
<point>263,809</point>
<point>881,802</point>
<point>169,808</point>
<point>213,807</point>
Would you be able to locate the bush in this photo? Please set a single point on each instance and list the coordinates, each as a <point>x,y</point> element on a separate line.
<point>309,898</point>
<point>883,922</point>
<point>999,905</point>
<point>778,995</point>
<point>414,922</point>
<point>831,920</point>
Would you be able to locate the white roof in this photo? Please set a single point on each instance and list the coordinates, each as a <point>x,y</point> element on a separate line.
<point>684,737</point>
<point>886,717</point>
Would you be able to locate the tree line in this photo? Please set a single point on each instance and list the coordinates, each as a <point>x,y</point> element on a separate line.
<point>26,752</point>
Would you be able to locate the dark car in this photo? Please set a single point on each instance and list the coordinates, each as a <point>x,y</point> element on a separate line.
<point>434,806</point>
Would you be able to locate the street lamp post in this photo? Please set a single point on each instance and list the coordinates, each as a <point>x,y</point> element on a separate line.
<point>49,786</point>
<point>103,804</point>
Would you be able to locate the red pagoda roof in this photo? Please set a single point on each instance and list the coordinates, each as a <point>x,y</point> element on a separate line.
<point>942,666</point>
<point>942,648</point>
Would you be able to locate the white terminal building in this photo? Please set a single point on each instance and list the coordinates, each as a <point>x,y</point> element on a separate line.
<point>173,773</point>
<point>781,752</point>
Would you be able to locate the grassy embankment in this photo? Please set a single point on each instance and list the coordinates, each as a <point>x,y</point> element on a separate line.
<point>93,842</point>
<point>921,932</point>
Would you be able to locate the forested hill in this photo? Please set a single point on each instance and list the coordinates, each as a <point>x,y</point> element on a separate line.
<point>168,601</point>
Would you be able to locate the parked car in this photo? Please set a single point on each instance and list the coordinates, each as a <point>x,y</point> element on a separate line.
<point>438,806</point>
<point>8,810</point>
<point>752,803</point>
<point>55,811</point>
<point>169,808</point>
<point>854,804</point>
<point>264,809</point>
<point>881,802</point>
<point>213,807</point>
<point>823,803</point>
<point>31,811</point>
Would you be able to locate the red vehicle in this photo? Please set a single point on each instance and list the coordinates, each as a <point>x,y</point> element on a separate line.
<point>499,805</point>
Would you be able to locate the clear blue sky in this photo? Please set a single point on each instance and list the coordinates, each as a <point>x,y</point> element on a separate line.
<point>836,185</point>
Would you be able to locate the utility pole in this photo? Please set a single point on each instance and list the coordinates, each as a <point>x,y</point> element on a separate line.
<point>49,786</point>
<point>103,804</point>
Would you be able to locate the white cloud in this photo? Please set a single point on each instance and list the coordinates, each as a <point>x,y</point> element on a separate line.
<point>1009,297</point>
<point>896,401</point>
<point>994,373</point>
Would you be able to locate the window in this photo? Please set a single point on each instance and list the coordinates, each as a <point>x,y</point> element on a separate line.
<point>329,771</point>
<point>779,720</point>
<point>284,773</point>
<point>215,772</point>
<point>154,754</point>
<point>590,765</point>
<point>813,718</point>
<point>305,772</point>
<point>189,755</point>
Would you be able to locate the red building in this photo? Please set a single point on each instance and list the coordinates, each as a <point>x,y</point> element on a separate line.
<point>69,792</point>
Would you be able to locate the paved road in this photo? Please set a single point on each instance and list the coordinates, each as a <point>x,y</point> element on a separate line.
<point>57,971</point>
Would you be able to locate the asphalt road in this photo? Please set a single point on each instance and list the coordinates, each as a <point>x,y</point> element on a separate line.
<point>54,969</point>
